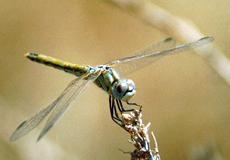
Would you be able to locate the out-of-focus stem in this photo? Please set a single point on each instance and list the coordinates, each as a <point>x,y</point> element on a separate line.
<point>177,28</point>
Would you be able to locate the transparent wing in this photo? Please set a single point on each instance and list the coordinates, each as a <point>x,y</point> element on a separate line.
<point>59,105</point>
<point>159,46</point>
<point>126,68</point>
<point>144,57</point>
<point>32,122</point>
<point>66,100</point>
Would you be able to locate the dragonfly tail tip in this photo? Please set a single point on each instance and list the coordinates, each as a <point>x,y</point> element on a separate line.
<point>27,54</point>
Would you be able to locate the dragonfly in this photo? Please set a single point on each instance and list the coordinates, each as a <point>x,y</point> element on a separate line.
<point>106,76</point>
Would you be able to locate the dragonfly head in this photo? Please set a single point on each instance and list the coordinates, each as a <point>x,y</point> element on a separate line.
<point>124,89</point>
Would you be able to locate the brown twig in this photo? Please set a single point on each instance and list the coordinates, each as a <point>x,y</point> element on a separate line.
<point>132,123</point>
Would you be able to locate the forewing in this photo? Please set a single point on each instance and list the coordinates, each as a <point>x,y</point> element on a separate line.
<point>129,64</point>
<point>66,99</point>
<point>121,65</point>
<point>32,122</point>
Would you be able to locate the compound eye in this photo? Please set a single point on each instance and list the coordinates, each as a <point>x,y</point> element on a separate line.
<point>121,89</point>
<point>130,83</point>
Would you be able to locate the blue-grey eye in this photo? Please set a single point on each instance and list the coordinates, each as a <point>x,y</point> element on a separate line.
<point>125,89</point>
<point>120,90</point>
<point>130,83</point>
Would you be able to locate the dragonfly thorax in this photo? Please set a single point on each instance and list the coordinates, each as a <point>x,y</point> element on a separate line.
<point>109,80</point>
<point>123,89</point>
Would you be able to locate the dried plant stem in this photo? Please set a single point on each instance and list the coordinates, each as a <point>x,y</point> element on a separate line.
<point>132,123</point>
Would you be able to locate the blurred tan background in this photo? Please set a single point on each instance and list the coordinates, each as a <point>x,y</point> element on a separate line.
<point>186,102</point>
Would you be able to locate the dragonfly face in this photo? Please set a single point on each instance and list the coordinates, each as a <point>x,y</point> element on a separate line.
<point>124,89</point>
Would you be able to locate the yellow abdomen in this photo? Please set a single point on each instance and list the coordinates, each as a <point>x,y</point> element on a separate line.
<point>75,69</point>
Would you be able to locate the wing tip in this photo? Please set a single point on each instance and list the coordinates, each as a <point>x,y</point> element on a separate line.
<point>12,138</point>
<point>44,131</point>
<point>168,39</point>
<point>15,134</point>
<point>207,38</point>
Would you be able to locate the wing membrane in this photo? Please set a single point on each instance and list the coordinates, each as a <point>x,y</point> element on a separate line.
<point>125,68</point>
<point>143,58</point>
<point>58,107</point>
<point>32,122</point>
<point>65,101</point>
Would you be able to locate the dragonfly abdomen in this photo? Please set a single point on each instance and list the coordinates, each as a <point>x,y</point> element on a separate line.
<point>71,68</point>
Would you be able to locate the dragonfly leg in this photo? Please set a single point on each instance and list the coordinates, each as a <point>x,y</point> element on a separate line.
<point>118,105</point>
<point>113,111</point>
<point>121,107</point>
<point>135,105</point>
